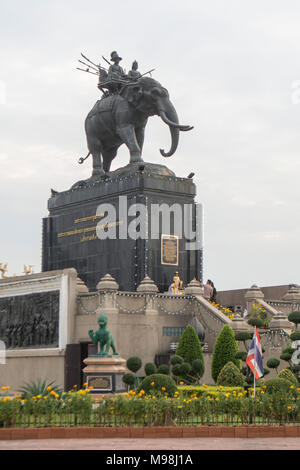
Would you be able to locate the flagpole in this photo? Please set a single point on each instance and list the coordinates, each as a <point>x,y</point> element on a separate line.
<point>254,358</point>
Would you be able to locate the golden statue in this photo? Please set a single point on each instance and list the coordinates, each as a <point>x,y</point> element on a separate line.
<point>28,270</point>
<point>3,270</point>
<point>177,283</point>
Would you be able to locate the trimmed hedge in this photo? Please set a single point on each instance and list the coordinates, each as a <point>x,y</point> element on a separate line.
<point>208,390</point>
<point>225,351</point>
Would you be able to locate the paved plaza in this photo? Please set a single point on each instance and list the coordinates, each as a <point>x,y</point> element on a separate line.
<point>155,444</point>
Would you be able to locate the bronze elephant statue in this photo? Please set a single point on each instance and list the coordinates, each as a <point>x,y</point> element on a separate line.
<point>121,118</point>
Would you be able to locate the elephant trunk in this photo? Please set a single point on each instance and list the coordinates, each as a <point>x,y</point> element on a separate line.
<point>169,116</point>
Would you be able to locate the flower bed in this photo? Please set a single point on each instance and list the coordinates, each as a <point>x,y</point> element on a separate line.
<point>212,406</point>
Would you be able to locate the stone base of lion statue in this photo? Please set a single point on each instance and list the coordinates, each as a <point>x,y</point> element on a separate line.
<point>105,374</point>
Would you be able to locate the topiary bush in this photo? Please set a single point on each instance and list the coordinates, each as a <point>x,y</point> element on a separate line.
<point>153,384</point>
<point>225,351</point>
<point>295,336</point>
<point>230,376</point>
<point>273,363</point>
<point>294,317</point>
<point>255,321</point>
<point>150,368</point>
<point>163,369</point>
<point>287,374</point>
<point>197,367</point>
<point>134,363</point>
<point>277,385</point>
<point>128,379</point>
<point>176,360</point>
<point>189,347</point>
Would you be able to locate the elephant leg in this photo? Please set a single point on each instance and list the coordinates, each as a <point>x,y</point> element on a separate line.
<point>140,135</point>
<point>127,134</point>
<point>108,156</point>
<point>97,164</point>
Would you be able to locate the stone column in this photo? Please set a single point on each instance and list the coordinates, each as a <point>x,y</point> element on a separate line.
<point>238,324</point>
<point>280,322</point>
<point>108,287</point>
<point>149,288</point>
<point>194,288</point>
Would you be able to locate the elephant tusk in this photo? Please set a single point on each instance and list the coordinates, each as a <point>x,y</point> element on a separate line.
<point>174,124</point>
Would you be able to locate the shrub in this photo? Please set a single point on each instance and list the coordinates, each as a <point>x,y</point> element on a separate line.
<point>295,336</point>
<point>273,363</point>
<point>38,387</point>
<point>163,369</point>
<point>286,356</point>
<point>176,370</point>
<point>150,368</point>
<point>255,321</point>
<point>134,363</point>
<point>153,384</point>
<point>176,360</point>
<point>277,385</point>
<point>189,347</point>
<point>294,317</point>
<point>185,368</point>
<point>243,335</point>
<point>241,355</point>
<point>208,390</point>
<point>225,350</point>
<point>287,374</point>
<point>198,367</point>
<point>128,379</point>
<point>230,376</point>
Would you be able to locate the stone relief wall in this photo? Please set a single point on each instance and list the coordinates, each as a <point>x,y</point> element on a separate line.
<point>30,321</point>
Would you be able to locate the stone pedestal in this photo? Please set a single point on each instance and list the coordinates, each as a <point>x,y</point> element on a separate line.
<point>70,232</point>
<point>105,374</point>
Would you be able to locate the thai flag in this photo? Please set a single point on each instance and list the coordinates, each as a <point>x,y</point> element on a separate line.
<point>254,357</point>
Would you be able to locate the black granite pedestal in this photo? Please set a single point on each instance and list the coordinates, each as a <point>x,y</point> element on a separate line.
<point>70,231</point>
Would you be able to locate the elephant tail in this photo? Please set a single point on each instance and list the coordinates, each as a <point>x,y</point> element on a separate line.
<point>81,160</point>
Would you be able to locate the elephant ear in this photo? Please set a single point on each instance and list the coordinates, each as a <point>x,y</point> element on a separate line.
<point>132,93</point>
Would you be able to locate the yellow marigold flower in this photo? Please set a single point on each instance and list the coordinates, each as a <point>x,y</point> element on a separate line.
<point>179,406</point>
<point>292,387</point>
<point>49,388</point>
<point>74,386</point>
<point>85,384</point>
<point>127,395</point>
<point>181,383</point>
<point>152,383</point>
<point>204,385</point>
<point>39,396</point>
<point>163,389</point>
<point>45,397</point>
<point>289,407</point>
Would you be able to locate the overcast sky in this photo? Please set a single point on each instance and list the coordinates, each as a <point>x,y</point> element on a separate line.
<point>232,69</point>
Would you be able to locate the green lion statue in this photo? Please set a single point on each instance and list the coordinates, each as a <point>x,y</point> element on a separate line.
<point>103,337</point>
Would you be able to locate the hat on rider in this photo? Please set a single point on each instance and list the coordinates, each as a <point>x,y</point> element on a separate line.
<point>114,56</point>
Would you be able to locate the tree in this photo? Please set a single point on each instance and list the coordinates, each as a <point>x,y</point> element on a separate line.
<point>189,347</point>
<point>225,350</point>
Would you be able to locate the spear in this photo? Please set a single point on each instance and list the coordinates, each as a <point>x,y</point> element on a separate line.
<point>90,66</point>
<point>89,60</point>
<point>87,70</point>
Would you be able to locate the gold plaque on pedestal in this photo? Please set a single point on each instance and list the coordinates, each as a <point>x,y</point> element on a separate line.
<point>100,383</point>
<point>169,249</point>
